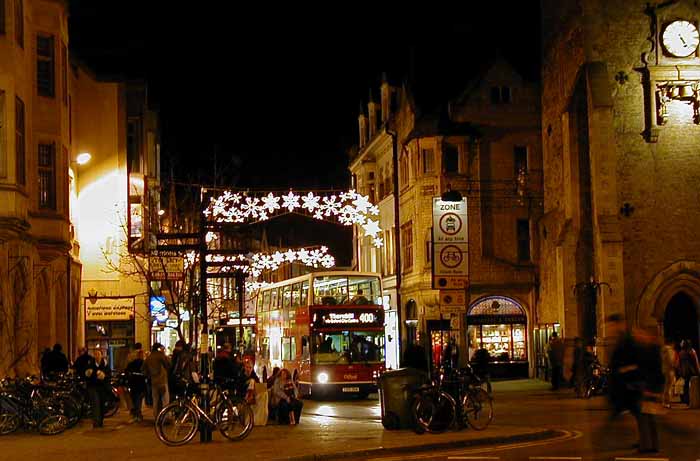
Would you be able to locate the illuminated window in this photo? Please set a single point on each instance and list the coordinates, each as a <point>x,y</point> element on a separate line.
<point>20,162</point>
<point>47,176</point>
<point>407,246</point>
<point>45,78</point>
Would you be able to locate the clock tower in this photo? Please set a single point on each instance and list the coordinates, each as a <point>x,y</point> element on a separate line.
<point>671,66</point>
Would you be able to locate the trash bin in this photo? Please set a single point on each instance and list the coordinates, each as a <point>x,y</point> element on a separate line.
<point>395,394</point>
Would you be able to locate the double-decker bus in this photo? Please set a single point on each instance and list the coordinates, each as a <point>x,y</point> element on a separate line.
<point>326,328</point>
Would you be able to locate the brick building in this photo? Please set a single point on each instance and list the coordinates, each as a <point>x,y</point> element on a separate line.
<point>483,141</point>
<point>621,137</point>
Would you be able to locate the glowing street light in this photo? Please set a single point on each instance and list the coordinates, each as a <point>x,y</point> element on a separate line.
<point>83,158</point>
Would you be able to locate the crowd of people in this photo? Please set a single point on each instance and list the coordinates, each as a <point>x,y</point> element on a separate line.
<point>642,374</point>
<point>153,377</point>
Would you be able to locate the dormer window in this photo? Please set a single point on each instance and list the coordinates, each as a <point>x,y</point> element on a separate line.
<point>500,95</point>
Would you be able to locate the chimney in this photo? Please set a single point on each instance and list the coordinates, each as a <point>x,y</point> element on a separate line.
<point>374,115</point>
<point>362,122</point>
<point>386,97</point>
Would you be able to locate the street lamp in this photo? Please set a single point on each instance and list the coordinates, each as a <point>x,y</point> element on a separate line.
<point>83,158</point>
<point>589,292</point>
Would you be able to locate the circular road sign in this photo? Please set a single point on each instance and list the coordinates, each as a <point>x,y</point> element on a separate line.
<point>450,223</point>
<point>451,256</point>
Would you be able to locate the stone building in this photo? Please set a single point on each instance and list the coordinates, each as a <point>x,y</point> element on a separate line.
<point>38,280</point>
<point>621,136</point>
<point>52,110</point>
<point>483,141</point>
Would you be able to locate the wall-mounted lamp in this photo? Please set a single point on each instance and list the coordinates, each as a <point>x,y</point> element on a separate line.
<point>83,158</point>
<point>161,212</point>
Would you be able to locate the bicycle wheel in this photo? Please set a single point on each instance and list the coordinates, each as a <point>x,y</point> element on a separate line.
<point>53,424</point>
<point>478,409</point>
<point>176,424</point>
<point>69,408</point>
<point>434,411</point>
<point>9,423</point>
<point>234,420</point>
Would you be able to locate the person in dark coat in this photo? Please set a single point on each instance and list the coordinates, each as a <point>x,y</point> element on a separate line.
<point>137,385</point>
<point>54,362</point>
<point>97,376</point>
<point>555,351</point>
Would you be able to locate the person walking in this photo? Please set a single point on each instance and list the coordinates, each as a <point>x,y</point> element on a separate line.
<point>182,368</point>
<point>156,368</point>
<point>688,366</point>
<point>669,363</point>
<point>137,385</point>
<point>555,351</point>
<point>97,376</point>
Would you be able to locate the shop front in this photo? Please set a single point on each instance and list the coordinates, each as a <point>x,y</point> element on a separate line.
<point>109,328</point>
<point>499,325</point>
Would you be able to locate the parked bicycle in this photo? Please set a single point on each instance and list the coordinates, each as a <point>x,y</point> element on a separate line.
<point>22,405</point>
<point>455,398</point>
<point>179,421</point>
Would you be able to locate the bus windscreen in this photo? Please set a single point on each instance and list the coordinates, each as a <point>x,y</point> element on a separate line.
<point>346,347</point>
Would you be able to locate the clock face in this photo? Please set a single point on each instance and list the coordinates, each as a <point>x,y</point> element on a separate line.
<point>681,38</point>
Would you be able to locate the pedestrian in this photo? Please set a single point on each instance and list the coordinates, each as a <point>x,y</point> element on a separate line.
<point>182,369</point>
<point>688,366</point>
<point>81,363</point>
<point>156,368</point>
<point>578,370</point>
<point>555,351</point>
<point>97,378</point>
<point>652,386</point>
<point>481,366</point>
<point>137,385</point>
<point>56,362</point>
<point>669,360</point>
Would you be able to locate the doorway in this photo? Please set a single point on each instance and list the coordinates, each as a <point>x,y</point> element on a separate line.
<point>681,319</point>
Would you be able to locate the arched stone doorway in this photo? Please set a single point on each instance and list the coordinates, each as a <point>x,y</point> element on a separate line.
<point>662,291</point>
<point>681,318</point>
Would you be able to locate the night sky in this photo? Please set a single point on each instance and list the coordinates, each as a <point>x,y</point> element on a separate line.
<point>273,93</point>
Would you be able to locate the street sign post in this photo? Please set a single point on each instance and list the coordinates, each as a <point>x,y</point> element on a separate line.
<point>450,245</point>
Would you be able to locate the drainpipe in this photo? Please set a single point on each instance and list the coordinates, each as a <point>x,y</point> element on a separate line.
<point>397,236</point>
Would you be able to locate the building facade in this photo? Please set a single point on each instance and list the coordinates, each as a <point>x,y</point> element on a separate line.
<point>54,212</point>
<point>620,134</point>
<point>38,278</point>
<point>484,143</point>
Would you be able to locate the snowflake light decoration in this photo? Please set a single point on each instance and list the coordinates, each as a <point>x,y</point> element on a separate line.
<point>259,262</point>
<point>347,208</point>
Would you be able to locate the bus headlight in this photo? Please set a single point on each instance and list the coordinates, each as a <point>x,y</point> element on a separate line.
<point>322,378</point>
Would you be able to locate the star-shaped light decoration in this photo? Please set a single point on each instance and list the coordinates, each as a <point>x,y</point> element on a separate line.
<point>372,227</point>
<point>347,208</point>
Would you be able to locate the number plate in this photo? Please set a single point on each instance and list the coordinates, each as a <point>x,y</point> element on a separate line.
<point>351,389</point>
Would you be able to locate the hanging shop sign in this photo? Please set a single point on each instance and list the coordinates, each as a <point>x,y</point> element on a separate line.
<point>109,308</point>
<point>450,250</point>
<point>166,267</point>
